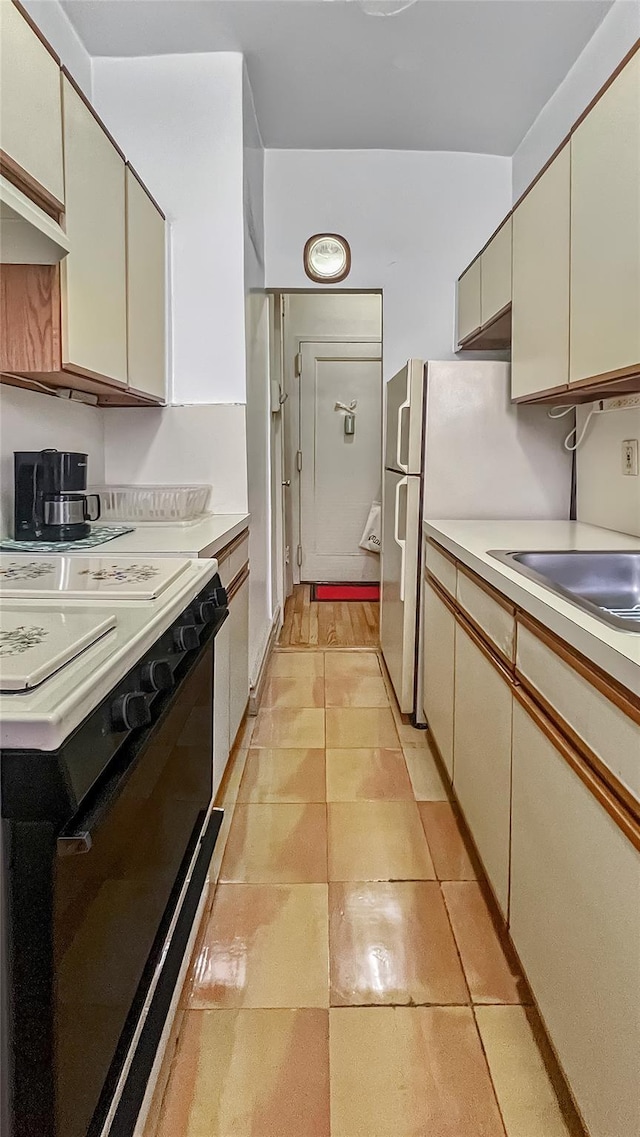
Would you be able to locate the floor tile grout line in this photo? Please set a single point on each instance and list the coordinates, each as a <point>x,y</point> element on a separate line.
<point>486,1060</point>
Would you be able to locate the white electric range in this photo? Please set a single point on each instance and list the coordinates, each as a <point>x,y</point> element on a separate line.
<point>106,752</point>
<point>71,627</point>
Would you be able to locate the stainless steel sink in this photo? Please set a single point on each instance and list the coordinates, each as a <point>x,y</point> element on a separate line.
<point>605,584</point>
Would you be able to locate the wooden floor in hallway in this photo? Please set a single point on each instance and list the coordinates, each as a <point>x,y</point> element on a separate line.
<point>348,979</point>
<point>327,624</point>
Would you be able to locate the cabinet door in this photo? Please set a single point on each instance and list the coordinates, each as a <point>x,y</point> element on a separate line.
<point>94,277</point>
<point>31,120</point>
<point>575,922</point>
<point>469,314</point>
<point>540,311</point>
<point>482,758</point>
<point>438,670</point>
<point>145,291</point>
<point>238,659</point>
<point>221,714</point>
<point>605,231</point>
<point>495,272</point>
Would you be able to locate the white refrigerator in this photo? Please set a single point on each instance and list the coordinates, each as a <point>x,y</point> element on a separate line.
<point>455,447</point>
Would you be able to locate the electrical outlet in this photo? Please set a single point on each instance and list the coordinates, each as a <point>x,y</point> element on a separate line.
<point>630,457</point>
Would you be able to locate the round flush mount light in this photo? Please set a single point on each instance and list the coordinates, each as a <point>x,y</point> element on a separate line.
<point>327,258</point>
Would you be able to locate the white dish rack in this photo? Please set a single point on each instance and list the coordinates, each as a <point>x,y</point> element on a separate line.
<point>153,505</point>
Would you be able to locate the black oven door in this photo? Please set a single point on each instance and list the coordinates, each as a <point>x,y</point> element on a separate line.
<point>120,867</point>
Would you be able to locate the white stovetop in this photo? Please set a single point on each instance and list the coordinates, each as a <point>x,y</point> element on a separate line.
<point>617,652</point>
<point>27,577</point>
<point>33,646</point>
<point>43,716</point>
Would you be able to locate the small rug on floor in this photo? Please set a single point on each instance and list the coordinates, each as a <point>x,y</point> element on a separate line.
<point>369,593</point>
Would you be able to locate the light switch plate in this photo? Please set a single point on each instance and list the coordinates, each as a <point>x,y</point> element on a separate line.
<point>630,457</point>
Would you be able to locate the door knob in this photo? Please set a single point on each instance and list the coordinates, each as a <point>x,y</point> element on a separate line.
<point>287,483</point>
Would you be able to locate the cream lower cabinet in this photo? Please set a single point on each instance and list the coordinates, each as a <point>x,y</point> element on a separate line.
<point>438,671</point>
<point>575,922</point>
<point>238,658</point>
<point>145,291</point>
<point>482,756</point>
<point>221,715</point>
<point>94,275</point>
<point>605,232</point>
<point>541,256</point>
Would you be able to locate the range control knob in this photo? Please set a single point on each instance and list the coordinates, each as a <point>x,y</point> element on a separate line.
<point>187,637</point>
<point>156,676</point>
<point>130,711</point>
<point>218,597</point>
<point>205,611</point>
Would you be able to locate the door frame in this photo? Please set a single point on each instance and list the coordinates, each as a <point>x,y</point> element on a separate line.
<point>291,407</point>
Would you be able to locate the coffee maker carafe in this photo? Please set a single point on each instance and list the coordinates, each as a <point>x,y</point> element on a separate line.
<point>51,502</point>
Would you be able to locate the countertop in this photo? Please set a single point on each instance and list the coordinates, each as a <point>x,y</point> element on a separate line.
<point>617,652</point>
<point>203,539</point>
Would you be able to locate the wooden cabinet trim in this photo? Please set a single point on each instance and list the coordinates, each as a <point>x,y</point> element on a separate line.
<point>234,544</point>
<point>617,810</point>
<point>499,598</point>
<point>237,582</point>
<point>36,30</point>
<point>624,699</point>
<point>622,373</point>
<point>441,592</point>
<point>567,138</point>
<point>481,338</point>
<point>81,95</point>
<point>503,666</point>
<point>140,182</point>
<point>443,552</point>
<point>487,243</point>
<point>31,188</point>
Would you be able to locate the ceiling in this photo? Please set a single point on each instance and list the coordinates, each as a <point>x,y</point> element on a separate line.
<point>467,75</point>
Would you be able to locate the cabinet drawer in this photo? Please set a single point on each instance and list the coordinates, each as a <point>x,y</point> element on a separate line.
<point>230,563</point>
<point>575,923</point>
<point>442,567</point>
<point>493,616</point>
<point>608,731</point>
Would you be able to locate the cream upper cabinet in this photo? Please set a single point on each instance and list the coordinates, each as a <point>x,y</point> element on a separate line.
<point>605,232</point>
<point>575,923</point>
<point>540,313</point>
<point>145,291</point>
<point>31,117</point>
<point>482,758</point>
<point>94,275</point>
<point>469,311</point>
<point>438,671</point>
<point>495,271</point>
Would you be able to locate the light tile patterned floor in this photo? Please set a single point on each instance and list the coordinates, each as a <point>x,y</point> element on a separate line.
<point>349,980</point>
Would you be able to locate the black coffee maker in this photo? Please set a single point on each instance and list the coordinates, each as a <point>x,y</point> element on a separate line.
<point>51,502</point>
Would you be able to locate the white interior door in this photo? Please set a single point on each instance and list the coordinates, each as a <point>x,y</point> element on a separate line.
<point>340,473</point>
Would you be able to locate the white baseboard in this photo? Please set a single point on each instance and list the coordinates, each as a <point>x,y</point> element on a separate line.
<point>256,689</point>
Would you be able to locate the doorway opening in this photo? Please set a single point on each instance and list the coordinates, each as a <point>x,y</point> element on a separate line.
<point>326,367</point>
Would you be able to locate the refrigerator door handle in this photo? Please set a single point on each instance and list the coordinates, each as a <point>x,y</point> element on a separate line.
<point>400,541</point>
<point>401,411</point>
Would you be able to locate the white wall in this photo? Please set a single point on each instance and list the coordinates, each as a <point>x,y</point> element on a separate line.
<point>606,496</point>
<point>612,40</point>
<point>179,120</point>
<point>30,420</point>
<point>172,445</point>
<point>57,28</point>
<point>413,220</point>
